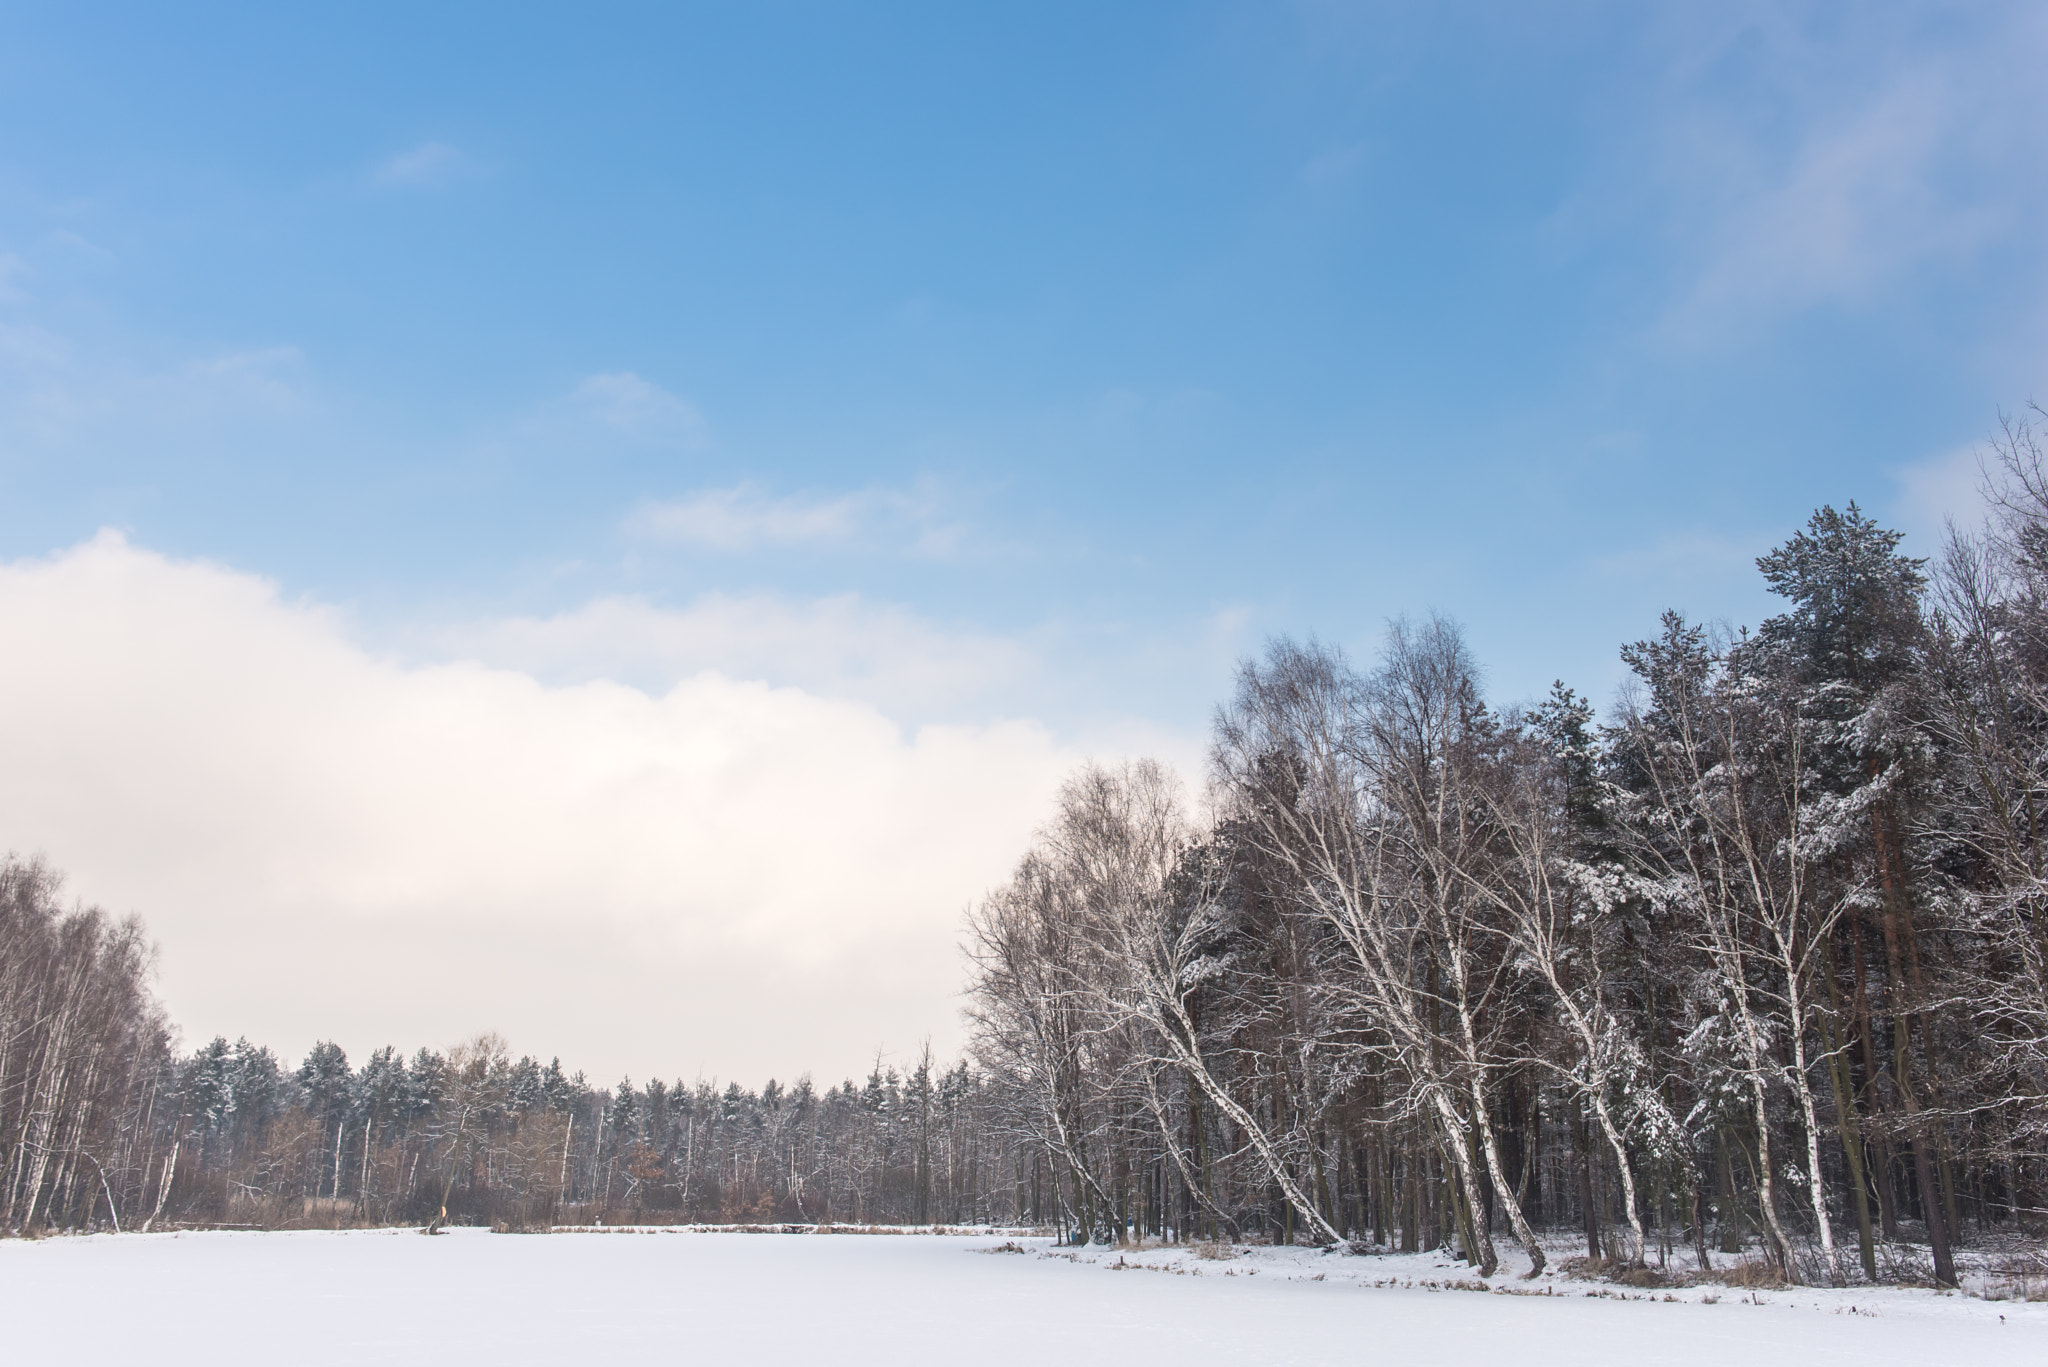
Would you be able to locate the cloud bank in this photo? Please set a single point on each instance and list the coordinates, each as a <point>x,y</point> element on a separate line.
<point>723,877</point>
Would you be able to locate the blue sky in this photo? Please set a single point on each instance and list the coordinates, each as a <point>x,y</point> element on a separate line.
<point>1542,316</point>
<point>982,362</point>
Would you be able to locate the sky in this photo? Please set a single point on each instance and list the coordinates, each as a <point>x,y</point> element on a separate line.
<point>609,523</point>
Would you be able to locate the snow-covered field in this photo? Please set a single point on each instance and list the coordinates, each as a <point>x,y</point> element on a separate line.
<point>394,1297</point>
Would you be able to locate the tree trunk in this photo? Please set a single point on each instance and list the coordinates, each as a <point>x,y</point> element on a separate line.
<point>1845,1115</point>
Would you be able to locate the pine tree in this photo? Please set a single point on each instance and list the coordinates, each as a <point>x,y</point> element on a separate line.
<point>1850,651</point>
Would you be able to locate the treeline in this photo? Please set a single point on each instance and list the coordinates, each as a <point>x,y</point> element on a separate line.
<point>109,1128</point>
<point>477,1137</point>
<point>1759,963</point>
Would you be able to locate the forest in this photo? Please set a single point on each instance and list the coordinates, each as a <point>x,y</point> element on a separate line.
<point>1753,965</point>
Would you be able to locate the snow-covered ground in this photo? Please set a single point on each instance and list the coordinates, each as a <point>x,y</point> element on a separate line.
<point>394,1297</point>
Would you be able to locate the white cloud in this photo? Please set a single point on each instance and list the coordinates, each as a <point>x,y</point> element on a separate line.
<point>725,875</point>
<point>639,407</point>
<point>746,518</point>
<point>265,380</point>
<point>67,388</point>
<point>1856,204</point>
<point>842,645</point>
<point>428,166</point>
<point>1790,165</point>
<point>51,395</point>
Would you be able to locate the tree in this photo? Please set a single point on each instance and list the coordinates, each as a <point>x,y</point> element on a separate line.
<point>475,1087</point>
<point>1365,788</point>
<point>1851,651</point>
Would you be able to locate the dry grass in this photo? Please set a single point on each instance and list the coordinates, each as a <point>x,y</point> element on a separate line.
<point>1638,1275</point>
<point>1752,1274</point>
<point>1214,1252</point>
<point>2022,1277</point>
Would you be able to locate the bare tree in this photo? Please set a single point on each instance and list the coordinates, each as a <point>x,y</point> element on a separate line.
<point>1364,788</point>
<point>476,1088</point>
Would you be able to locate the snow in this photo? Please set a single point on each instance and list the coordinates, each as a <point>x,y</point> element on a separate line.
<point>393,1297</point>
